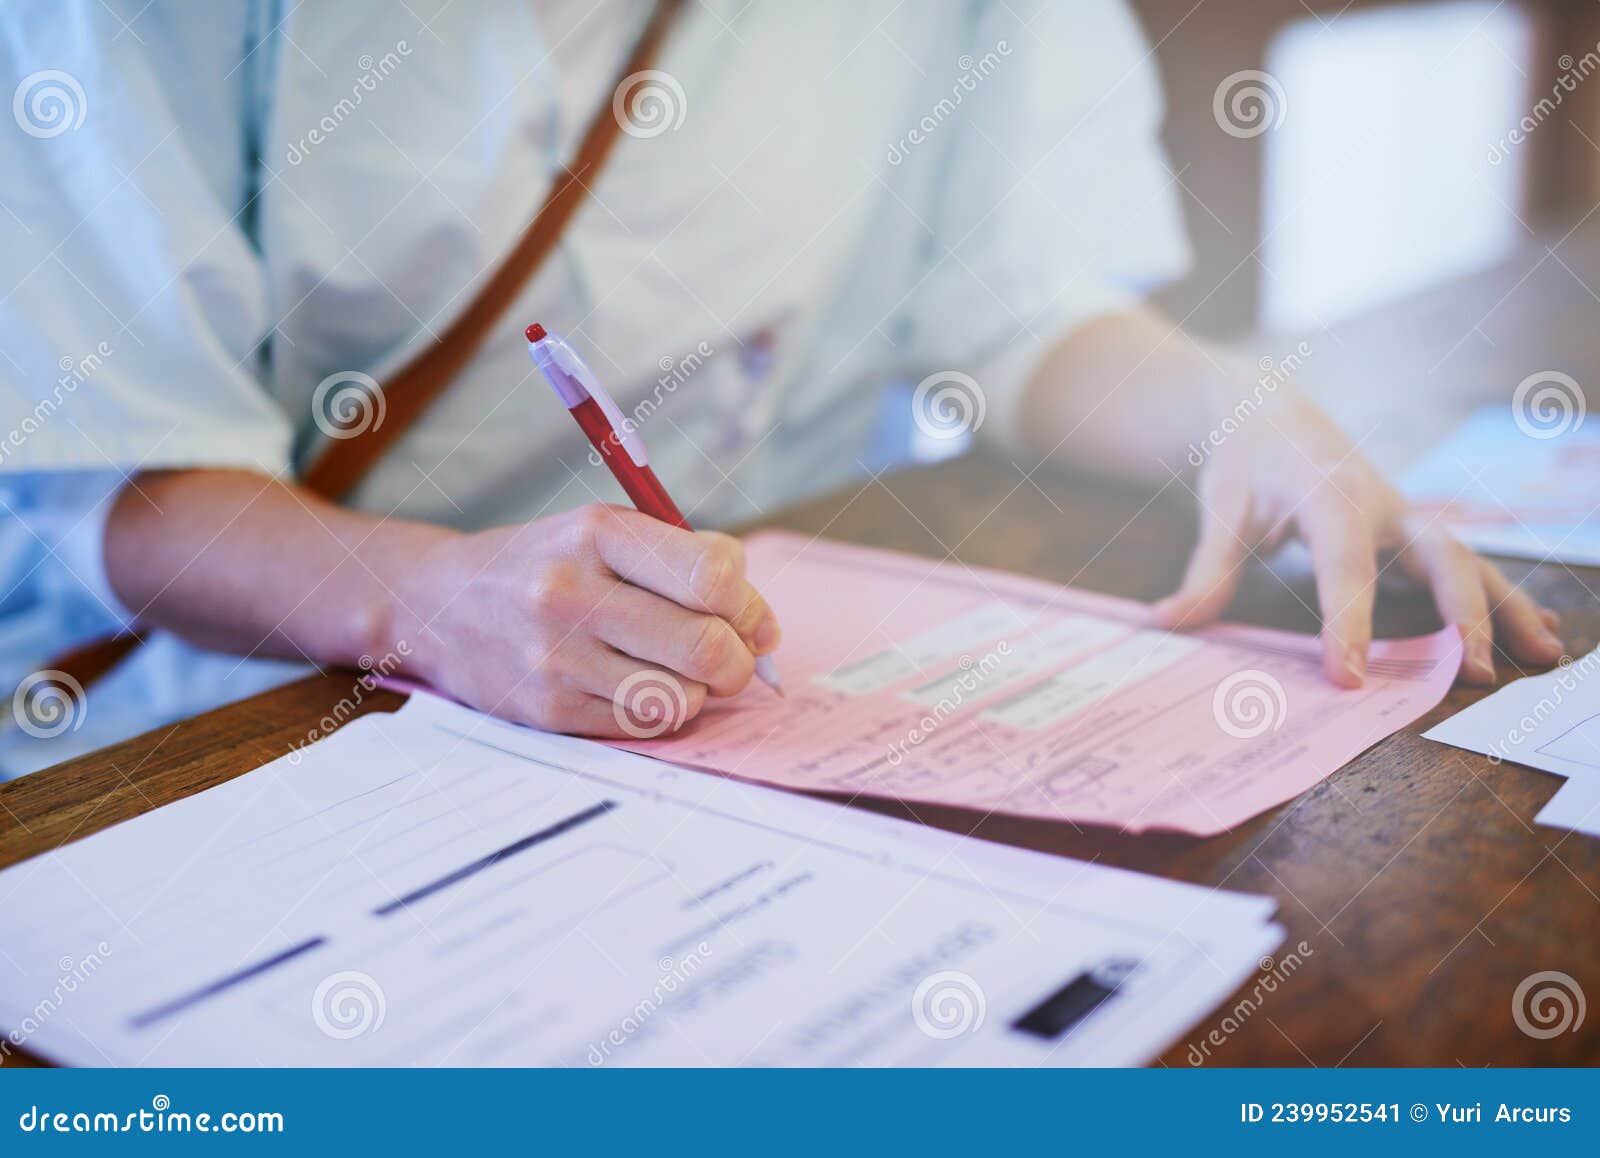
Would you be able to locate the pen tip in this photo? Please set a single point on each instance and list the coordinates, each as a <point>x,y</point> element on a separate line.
<point>534,333</point>
<point>767,673</point>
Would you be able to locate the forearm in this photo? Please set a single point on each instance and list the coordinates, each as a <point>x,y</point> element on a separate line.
<point>238,562</point>
<point>1127,395</point>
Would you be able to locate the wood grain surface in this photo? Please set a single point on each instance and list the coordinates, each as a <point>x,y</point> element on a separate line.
<point>1414,885</point>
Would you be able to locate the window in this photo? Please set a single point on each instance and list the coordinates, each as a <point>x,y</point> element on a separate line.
<point>1382,177</point>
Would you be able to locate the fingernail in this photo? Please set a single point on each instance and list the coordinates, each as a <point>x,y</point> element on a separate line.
<point>767,635</point>
<point>1355,662</point>
<point>1552,642</point>
<point>1479,666</point>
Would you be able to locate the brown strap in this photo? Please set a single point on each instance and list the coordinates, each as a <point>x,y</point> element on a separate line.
<point>345,462</point>
<point>86,663</point>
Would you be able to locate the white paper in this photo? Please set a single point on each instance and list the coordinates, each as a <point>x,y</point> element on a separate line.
<point>1521,489</point>
<point>434,887</point>
<point>1549,721</point>
<point>1576,806</point>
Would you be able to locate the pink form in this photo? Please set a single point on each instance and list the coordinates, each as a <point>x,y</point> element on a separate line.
<point>946,684</point>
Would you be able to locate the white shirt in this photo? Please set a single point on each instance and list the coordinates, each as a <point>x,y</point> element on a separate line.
<point>260,196</point>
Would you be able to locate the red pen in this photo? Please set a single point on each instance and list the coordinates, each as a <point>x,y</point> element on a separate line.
<point>615,440</point>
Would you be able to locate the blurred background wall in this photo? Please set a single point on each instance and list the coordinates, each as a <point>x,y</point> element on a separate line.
<point>1337,155</point>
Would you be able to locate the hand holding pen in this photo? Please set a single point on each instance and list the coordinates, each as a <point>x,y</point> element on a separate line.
<point>599,621</point>
<point>623,452</point>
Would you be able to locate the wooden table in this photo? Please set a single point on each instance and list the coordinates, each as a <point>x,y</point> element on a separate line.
<point>1415,877</point>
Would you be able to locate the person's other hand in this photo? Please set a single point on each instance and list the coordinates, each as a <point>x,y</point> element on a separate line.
<point>1289,469</point>
<point>601,622</point>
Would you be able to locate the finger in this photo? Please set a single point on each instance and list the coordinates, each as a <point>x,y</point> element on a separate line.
<point>1215,567</point>
<point>693,645</point>
<point>1345,559</point>
<point>1524,627</point>
<point>1453,574</point>
<point>577,714</point>
<point>699,570</point>
<point>602,670</point>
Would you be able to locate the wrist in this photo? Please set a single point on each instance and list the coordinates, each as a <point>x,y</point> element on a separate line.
<point>409,591</point>
<point>1239,392</point>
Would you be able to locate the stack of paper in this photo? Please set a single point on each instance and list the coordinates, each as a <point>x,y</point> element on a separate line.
<point>436,887</point>
<point>947,684</point>
<point>1507,485</point>
<point>1550,722</point>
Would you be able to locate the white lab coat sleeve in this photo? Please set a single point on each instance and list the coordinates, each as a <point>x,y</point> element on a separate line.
<point>132,303</point>
<point>60,517</point>
<point>1052,203</point>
